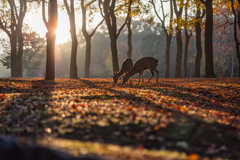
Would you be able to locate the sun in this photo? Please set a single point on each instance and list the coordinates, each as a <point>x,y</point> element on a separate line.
<point>63,31</point>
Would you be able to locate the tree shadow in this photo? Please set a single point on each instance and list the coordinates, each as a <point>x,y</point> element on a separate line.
<point>158,128</point>
<point>59,109</point>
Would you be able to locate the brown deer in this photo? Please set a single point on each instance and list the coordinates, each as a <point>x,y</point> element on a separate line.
<point>145,63</point>
<point>127,65</point>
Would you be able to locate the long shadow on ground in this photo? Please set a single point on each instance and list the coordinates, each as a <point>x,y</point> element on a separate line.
<point>154,127</point>
<point>63,109</point>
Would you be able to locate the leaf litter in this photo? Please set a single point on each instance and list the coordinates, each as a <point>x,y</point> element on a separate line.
<point>192,118</point>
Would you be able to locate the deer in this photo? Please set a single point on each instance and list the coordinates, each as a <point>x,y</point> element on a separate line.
<point>145,63</point>
<point>127,65</point>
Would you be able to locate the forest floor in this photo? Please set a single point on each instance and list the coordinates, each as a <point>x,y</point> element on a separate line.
<point>185,118</point>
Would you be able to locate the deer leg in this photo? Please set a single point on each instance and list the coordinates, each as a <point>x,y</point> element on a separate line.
<point>139,78</point>
<point>140,74</point>
<point>157,74</point>
<point>152,74</point>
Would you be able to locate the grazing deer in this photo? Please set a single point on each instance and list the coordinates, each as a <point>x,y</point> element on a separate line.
<point>127,65</point>
<point>145,63</point>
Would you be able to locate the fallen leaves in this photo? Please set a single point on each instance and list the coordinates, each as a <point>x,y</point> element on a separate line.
<point>179,113</point>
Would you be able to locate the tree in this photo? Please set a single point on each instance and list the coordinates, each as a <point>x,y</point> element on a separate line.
<point>71,15</point>
<point>168,33</point>
<point>33,52</point>
<point>11,22</point>
<point>188,34</point>
<point>108,13</point>
<point>129,42</point>
<point>209,66</point>
<point>236,16</point>
<point>51,26</point>
<point>87,36</point>
<point>179,37</point>
<point>199,16</point>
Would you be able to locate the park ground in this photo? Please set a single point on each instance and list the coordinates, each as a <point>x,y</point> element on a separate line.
<point>185,118</point>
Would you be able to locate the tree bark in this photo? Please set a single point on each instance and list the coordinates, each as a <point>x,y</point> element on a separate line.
<point>51,38</point>
<point>13,42</point>
<point>20,51</point>
<point>179,54</point>
<point>129,52</point>
<point>209,67</point>
<point>235,34</point>
<point>179,41</point>
<point>199,50</point>
<point>88,57</point>
<point>73,63</point>
<point>114,55</point>
<point>167,69</point>
<point>50,62</point>
<point>22,12</point>
<point>186,53</point>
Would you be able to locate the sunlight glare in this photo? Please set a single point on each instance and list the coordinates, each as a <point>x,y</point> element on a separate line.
<point>36,23</point>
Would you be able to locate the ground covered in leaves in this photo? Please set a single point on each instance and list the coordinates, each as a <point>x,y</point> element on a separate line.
<point>190,118</point>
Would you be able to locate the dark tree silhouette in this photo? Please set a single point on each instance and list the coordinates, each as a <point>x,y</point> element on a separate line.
<point>88,37</point>
<point>168,33</point>
<point>199,16</point>
<point>236,15</point>
<point>209,67</point>
<point>179,40</point>
<point>51,26</point>
<point>129,42</point>
<point>188,34</point>
<point>71,15</point>
<point>108,13</point>
<point>12,26</point>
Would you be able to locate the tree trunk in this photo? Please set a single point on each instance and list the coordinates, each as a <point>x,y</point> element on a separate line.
<point>167,69</point>
<point>114,55</point>
<point>179,40</point>
<point>199,50</point>
<point>13,41</point>
<point>186,54</point>
<point>51,38</point>
<point>22,12</point>
<point>73,63</point>
<point>129,52</point>
<point>88,57</point>
<point>20,51</point>
<point>238,68</point>
<point>209,68</point>
<point>179,54</point>
<point>50,62</point>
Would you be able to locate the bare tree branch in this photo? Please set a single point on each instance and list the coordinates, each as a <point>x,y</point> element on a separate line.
<point>99,24</point>
<point>43,14</point>
<point>99,5</point>
<point>67,7</point>
<point>155,10</point>
<point>87,5</point>
<point>4,28</point>
<point>120,29</point>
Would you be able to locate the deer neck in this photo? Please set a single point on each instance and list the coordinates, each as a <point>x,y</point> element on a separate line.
<point>131,73</point>
<point>120,73</point>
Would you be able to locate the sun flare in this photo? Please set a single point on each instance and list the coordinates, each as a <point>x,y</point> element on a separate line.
<point>62,33</point>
